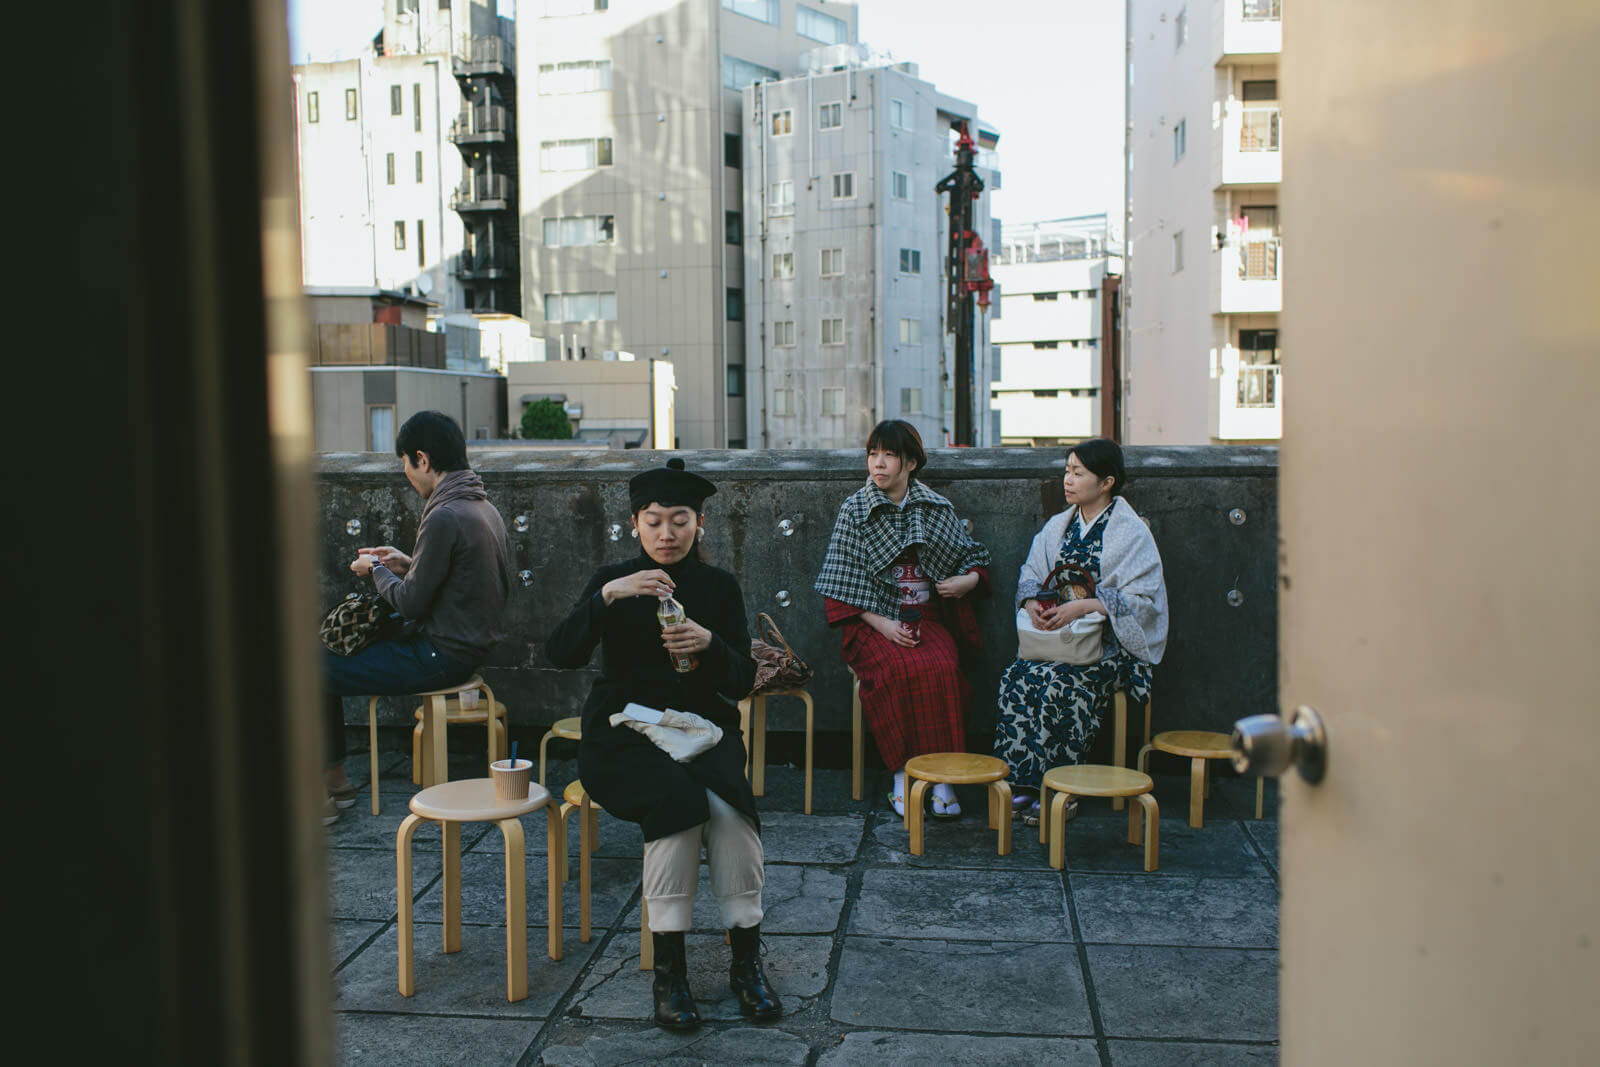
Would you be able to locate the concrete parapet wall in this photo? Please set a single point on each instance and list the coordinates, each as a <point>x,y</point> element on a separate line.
<point>1221,660</point>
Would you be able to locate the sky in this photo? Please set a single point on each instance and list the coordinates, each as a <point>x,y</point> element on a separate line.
<point>1046,73</point>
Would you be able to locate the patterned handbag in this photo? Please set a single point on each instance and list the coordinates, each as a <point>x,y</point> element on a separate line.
<point>777,666</point>
<point>1080,643</point>
<point>359,621</point>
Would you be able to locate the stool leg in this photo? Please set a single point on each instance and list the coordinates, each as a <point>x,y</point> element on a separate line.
<point>502,735</point>
<point>1135,822</point>
<point>585,850</point>
<point>914,798</point>
<point>1119,753</point>
<point>647,948</point>
<point>566,866</point>
<point>1205,776</point>
<point>452,886</point>
<point>1197,790</point>
<point>810,712</point>
<point>516,911</point>
<point>1261,785</point>
<point>1144,758</point>
<point>758,732</point>
<point>492,741</point>
<point>1147,704</point>
<point>372,750</point>
<point>544,745</point>
<point>1152,829</point>
<point>403,888</point>
<point>856,757</point>
<point>1058,828</point>
<point>744,731</point>
<point>416,754</point>
<point>438,755</point>
<point>555,845</point>
<point>1044,814</point>
<point>1000,805</point>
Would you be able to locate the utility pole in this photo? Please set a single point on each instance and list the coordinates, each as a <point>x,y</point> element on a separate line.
<point>966,270</point>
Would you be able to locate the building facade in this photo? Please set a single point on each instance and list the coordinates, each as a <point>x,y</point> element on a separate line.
<point>631,181</point>
<point>1204,284</point>
<point>1050,361</point>
<point>845,242</point>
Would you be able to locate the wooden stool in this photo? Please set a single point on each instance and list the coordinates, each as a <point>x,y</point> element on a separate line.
<point>958,768</point>
<point>855,736</point>
<point>1198,746</point>
<point>753,720</point>
<point>435,757</point>
<point>473,800</point>
<point>575,798</point>
<point>566,729</point>
<point>1119,751</point>
<point>1091,780</point>
<point>492,716</point>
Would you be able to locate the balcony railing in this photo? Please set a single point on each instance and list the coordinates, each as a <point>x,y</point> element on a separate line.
<point>488,193</point>
<point>1258,129</point>
<point>1262,10</point>
<point>487,122</point>
<point>483,55</point>
<point>483,265</point>
<point>1258,385</point>
<point>1259,258</point>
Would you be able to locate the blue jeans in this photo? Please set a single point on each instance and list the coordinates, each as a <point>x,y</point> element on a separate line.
<point>388,668</point>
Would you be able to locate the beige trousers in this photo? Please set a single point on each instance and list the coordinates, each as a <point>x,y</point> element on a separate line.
<point>733,852</point>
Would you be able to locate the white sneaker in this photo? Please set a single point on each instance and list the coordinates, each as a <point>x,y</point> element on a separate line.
<point>330,812</point>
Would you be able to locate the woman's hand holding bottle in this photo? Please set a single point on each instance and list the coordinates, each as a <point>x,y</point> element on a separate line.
<point>892,629</point>
<point>656,583</point>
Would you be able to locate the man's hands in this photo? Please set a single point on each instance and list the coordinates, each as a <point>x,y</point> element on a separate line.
<point>686,637</point>
<point>890,628</point>
<point>392,558</point>
<point>959,586</point>
<point>656,583</point>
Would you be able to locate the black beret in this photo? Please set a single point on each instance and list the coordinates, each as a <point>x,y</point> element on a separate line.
<point>670,486</point>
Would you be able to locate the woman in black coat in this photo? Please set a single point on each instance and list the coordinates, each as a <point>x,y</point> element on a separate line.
<point>679,806</point>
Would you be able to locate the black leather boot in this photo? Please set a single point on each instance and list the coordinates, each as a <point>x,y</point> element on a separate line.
<point>675,1008</point>
<point>748,980</point>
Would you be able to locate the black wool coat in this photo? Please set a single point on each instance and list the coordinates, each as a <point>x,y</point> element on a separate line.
<point>621,769</point>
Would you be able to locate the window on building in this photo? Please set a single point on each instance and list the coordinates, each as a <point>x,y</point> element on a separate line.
<point>419,168</point>
<point>832,262</point>
<point>1258,346</point>
<point>783,334</point>
<point>820,27</point>
<point>1046,296</point>
<point>399,236</point>
<point>396,107</point>
<point>910,261</point>
<point>833,331</point>
<point>416,106</point>
<point>781,201</point>
<point>576,231</point>
<point>350,104</point>
<point>783,401</point>
<point>899,115</point>
<point>1263,10</point>
<point>406,7</point>
<point>782,122</point>
<point>1180,27</point>
<point>760,10</point>
<point>1177,252</point>
<point>577,76</point>
<point>584,153</point>
<point>844,186</point>
<point>1180,139</point>
<point>580,307</point>
<point>422,246</point>
<point>783,265</point>
<point>911,401</point>
<point>911,331</point>
<point>736,379</point>
<point>830,116</point>
<point>380,428</point>
<point>735,305</point>
<point>557,8</point>
<point>738,73</point>
<point>833,401</point>
<point>732,150</point>
<point>388,164</point>
<point>900,185</point>
<point>733,227</point>
<point>313,109</point>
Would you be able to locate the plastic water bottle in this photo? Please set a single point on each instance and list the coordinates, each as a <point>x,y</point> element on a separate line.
<point>671,613</point>
<point>911,619</point>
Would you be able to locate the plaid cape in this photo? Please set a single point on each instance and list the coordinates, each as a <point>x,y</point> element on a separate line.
<point>871,532</point>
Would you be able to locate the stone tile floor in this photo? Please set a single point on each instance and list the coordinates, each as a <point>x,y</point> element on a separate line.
<point>882,957</point>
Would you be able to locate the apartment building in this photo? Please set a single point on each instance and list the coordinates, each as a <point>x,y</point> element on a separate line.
<point>1204,286</point>
<point>845,241</point>
<point>1057,278</point>
<point>631,181</point>
<point>406,160</point>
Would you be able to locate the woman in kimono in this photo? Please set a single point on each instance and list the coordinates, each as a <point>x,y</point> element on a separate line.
<point>1049,712</point>
<point>679,806</point>
<point>896,544</point>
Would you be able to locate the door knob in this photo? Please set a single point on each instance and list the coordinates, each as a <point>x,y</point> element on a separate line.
<point>1266,746</point>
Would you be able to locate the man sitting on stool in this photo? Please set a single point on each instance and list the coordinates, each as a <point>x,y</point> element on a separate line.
<point>451,591</point>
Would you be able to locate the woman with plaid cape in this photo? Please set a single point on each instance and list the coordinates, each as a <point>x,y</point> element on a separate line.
<point>897,543</point>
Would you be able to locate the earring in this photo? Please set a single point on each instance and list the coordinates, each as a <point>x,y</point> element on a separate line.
<point>633,532</point>
<point>705,534</point>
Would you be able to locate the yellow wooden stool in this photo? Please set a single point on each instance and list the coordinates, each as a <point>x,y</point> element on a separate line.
<point>491,716</point>
<point>435,714</point>
<point>958,768</point>
<point>576,798</point>
<point>1093,780</point>
<point>1197,746</point>
<point>566,729</point>
<point>473,800</point>
<point>753,720</point>
<point>1120,736</point>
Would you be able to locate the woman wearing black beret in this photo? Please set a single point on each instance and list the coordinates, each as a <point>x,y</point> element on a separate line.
<point>680,806</point>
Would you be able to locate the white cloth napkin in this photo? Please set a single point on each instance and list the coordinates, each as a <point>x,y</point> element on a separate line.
<point>683,735</point>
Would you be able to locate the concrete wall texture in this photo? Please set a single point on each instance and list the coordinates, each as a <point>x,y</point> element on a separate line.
<point>1221,660</point>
